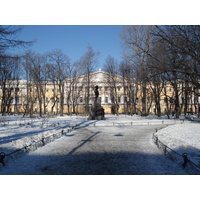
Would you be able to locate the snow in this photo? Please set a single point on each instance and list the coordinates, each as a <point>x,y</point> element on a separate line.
<point>118,138</point>
<point>17,132</point>
<point>183,138</point>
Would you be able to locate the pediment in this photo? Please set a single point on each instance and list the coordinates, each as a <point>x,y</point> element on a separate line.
<point>99,77</point>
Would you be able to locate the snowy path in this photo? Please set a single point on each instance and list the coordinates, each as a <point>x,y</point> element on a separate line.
<point>98,150</point>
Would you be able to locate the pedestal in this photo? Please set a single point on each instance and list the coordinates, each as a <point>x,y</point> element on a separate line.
<point>97,111</point>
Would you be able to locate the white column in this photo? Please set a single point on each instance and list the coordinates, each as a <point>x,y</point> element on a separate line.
<point>103,95</point>
<point>65,100</point>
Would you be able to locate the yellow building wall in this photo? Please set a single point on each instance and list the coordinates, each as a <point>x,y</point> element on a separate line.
<point>103,92</point>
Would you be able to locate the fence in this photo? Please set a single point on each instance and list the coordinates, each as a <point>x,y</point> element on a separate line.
<point>33,146</point>
<point>137,123</point>
<point>194,168</point>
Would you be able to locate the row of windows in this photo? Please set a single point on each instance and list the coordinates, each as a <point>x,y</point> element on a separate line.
<point>52,100</point>
<point>54,90</point>
<point>47,110</point>
<point>106,99</point>
<point>125,99</point>
<point>47,90</point>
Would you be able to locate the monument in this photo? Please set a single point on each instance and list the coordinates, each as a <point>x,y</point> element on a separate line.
<point>97,111</point>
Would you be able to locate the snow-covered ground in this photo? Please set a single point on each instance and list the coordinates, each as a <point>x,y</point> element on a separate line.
<point>16,132</point>
<point>183,138</point>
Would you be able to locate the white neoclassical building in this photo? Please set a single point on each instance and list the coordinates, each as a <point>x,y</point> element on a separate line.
<point>106,93</point>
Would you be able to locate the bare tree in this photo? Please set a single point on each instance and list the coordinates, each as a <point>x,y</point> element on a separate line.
<point>137,42</point>
<point>183,44</point>
<point>112,68</point>
<point>74,88</point>
<point>59,71</point>
<point>33,67</point>
<point>186,41</point>
<point>8,40</point>
<point>9,65</point>
<point>88,64</point>
<point>9,80</point>
<point>130,85</point>
<point>165,54</point>
<point>156,76</point>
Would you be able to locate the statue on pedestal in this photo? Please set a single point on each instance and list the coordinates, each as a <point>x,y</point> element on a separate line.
<point>97,111</point>
<point>96,92</point>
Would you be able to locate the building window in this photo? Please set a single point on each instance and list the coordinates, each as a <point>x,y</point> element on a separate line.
<point>52,100</point>
<point>11,100</point>
<point>188,100</point>
<point>20,100</point>
<point>119,99</point>
<point>106,99</point>
<point>125,99</point>
<point>118,88</point>
<point>81,99</point>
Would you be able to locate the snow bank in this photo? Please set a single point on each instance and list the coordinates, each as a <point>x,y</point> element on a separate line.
<point>17,132</point>
<point>182,138</point>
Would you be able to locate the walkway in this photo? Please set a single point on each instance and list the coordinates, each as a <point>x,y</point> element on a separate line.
<point>98,151</point>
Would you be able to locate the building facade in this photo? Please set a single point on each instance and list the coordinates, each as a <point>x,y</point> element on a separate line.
<point>116,95</point>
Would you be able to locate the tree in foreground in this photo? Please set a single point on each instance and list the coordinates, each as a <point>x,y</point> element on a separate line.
<point>9,66</point>
<point>88,64</point>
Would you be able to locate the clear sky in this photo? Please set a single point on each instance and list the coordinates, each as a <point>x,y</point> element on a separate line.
<point>74,39</point>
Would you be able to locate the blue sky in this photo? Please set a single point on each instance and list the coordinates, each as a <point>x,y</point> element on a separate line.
<point>74,39</point>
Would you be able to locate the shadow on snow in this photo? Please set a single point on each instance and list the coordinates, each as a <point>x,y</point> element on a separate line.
<point>11,138</point>
<point>75,162</point>
<point>115,163</point>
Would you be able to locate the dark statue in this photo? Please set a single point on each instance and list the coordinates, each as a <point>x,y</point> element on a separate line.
<point>97,111</point>
<point>96,91</point>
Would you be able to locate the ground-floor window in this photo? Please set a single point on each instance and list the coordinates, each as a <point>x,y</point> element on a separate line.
<point>106,99</point>
<point>81,99</point>
<point>119,99</point>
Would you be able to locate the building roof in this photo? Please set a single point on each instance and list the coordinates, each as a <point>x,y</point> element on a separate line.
<point>98,77</point>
